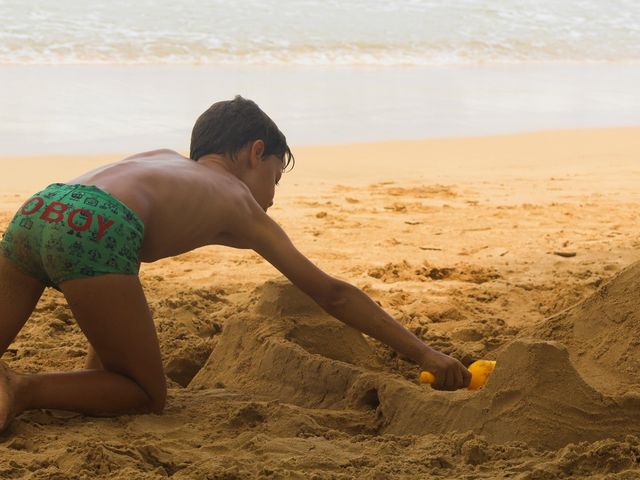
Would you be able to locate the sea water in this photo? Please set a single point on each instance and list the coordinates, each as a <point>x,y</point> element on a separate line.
<point>318,32</point>
<point>78,76</point>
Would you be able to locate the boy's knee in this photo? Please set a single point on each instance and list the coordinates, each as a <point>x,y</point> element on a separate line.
<point>154,404</point>
<point>157,397</point>
<point>156,393</point>
<point>158,402</point>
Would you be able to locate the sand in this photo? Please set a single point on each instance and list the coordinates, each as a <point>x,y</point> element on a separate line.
<point>519,248</point>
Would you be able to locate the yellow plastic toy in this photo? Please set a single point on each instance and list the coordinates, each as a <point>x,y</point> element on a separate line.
<point>480,371</point>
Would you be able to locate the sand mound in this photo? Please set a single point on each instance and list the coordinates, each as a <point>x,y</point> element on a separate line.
<point>289,350</point>
<point>602,334</point>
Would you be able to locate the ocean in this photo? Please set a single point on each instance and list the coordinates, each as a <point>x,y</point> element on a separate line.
<point>120,76</point>
<point>313,32</point>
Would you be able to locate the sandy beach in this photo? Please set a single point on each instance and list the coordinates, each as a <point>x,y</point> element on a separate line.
<point>518,248</point>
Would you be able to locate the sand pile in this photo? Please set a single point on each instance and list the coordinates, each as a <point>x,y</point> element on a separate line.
<point>287,349</point>
<point>602,334</point>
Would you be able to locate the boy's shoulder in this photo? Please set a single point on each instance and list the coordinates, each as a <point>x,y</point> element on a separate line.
<point>160,152</point>
<point>241,218</point>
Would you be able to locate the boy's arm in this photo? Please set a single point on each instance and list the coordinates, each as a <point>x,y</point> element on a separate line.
<point>346,302</point>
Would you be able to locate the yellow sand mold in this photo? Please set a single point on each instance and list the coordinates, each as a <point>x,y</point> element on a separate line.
<point>480,371</point>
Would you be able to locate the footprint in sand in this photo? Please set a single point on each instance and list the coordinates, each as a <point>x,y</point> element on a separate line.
<point>404,271</point>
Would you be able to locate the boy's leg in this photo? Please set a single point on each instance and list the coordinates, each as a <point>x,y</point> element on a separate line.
<point>19,294</point>
<point>92,362</point>
<point>113,313</point>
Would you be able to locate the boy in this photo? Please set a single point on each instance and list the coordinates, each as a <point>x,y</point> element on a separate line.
<point>87,238</point>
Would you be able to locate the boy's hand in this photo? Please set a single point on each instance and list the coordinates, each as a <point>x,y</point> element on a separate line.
<point>450,374</point>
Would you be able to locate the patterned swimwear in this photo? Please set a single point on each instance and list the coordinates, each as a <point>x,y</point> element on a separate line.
<point>73,231</point>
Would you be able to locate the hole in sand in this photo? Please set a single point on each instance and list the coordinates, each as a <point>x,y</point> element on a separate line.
<point>370,399</point>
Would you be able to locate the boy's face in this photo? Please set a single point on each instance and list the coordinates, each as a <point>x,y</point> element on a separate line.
<point>262,176</point>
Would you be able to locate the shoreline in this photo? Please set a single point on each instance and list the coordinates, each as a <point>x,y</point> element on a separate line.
<point>80,109</point>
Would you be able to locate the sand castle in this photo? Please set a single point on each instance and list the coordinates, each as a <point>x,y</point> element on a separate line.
<point>568,380</point>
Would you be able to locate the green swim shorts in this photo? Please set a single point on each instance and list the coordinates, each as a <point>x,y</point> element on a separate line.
<point>73,231</point>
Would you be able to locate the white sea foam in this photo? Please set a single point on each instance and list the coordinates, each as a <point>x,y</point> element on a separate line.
<point>314,32</point>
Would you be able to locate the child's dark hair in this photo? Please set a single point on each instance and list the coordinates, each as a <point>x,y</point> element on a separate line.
<point>229,125</point>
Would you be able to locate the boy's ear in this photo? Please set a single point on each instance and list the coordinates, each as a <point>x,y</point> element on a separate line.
<point>256,152</point>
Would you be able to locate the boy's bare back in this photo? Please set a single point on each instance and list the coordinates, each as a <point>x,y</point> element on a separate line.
<point>183,204</point>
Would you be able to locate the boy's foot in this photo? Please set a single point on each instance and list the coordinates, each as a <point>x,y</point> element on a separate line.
<point>7,399</point>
